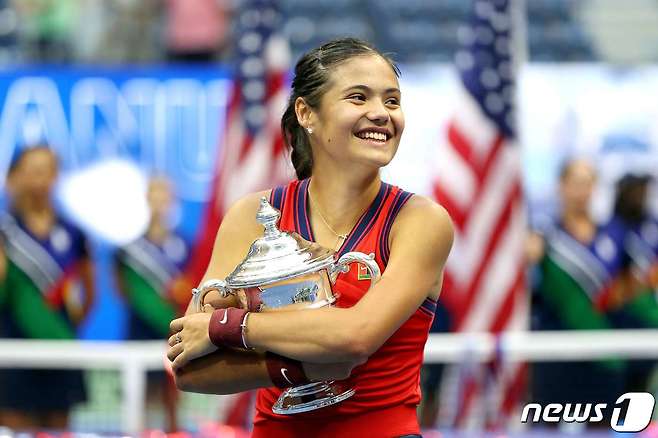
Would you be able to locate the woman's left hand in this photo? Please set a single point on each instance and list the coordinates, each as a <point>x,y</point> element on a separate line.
<point>190,339</point>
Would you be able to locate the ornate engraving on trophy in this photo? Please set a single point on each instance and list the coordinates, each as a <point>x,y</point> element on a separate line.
<point>306,294</point>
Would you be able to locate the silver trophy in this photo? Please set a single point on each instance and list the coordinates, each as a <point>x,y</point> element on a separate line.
<point>291,271</point>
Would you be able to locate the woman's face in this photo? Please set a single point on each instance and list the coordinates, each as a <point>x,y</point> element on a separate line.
<point>35,175</point>
<point>577,187</point>
<point>159,197</point>
<point>359,119</point>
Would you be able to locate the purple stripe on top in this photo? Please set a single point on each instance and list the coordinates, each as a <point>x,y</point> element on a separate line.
<point>399,203</point>
<point>366,221</point>
<point>304,217</point>
<point>429,305</point>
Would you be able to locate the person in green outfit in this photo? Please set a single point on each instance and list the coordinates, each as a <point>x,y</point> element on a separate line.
<point>149,275</point>
<point>46,291</point>
<point>583,277</point>
<point>640,308</point>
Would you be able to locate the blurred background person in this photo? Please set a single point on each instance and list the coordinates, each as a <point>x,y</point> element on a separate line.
<point>47,286</point>
<point>581,275</point>
<point>46,28</point>
<point>196,30</point>
<point>639,309</point>
<point>149,276</point>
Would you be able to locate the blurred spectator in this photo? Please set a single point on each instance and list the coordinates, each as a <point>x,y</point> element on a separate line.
<point>47,291</point>
<point>631,207</point>
<point>8,33</point>
<point>46,28</point>
<point>196,29</point>
<point>148,273</point>
<point>582,274</point>
<point>132,31</point>
<point>640,307</point>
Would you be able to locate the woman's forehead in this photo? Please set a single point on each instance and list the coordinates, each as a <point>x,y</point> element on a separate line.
<point>371,71</point>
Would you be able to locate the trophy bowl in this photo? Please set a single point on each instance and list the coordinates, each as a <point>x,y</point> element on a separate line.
<point>289,271</point>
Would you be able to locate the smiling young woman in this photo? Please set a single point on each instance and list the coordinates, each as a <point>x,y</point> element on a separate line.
<point>343,123</point>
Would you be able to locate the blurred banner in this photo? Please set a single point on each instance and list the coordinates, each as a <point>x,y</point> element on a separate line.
<point>166,120</point>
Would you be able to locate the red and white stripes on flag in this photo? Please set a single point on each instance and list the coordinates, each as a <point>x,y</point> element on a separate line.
<point>478,180</point>
<point>252,155</point>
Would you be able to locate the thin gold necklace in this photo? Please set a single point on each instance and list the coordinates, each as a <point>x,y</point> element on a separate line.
<point>341,237</point>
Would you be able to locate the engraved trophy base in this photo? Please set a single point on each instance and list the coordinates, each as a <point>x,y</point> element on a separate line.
<point>311,397</point>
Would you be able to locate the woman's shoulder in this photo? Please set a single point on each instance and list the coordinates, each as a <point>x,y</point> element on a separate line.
<point>420,207</point>
<point>423,217</point>
<point>240,219</point>
<point>246,206</point>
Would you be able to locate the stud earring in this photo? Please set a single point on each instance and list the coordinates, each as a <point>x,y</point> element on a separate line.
<point>310,130</point>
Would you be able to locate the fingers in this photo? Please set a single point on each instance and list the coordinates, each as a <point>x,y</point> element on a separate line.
<point>174,339</point>
<point>208,308</point>
<point>174,351</point>
<point>180,359</point>
<point>176,325</point>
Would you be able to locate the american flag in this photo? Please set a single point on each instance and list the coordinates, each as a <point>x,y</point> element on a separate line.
<point>478,181</point>
<point>252,155</point>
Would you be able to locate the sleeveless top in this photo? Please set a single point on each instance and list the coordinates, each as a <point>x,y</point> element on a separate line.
<point>387,385</point>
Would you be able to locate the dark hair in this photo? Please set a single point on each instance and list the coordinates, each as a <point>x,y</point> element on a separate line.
<point>630,200</point>
<point>312,74</point>
<point>20,154</point>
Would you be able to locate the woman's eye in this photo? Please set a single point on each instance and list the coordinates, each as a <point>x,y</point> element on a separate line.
<point>359,97</point>
<point>393,101</point>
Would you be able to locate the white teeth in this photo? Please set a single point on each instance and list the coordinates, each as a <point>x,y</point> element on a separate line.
<point>373,135</point>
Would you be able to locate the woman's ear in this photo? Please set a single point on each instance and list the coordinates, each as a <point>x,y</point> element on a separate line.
<point>304,113</point>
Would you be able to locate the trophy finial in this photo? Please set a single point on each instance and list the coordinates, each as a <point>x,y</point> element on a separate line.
<point>268,216</point>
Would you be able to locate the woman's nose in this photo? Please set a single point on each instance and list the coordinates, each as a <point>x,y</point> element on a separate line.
<point>378,113</point>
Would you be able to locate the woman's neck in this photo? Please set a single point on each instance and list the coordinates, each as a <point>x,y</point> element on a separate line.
<point>38,217</point>
<point>157,231</point>
<point>580,225</point>
<point>341,198</point>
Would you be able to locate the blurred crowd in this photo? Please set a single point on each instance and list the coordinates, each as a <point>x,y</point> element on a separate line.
<point>47,289</point>
<point>585,275</point>
<point>590,276</point>
<point>131,31</point>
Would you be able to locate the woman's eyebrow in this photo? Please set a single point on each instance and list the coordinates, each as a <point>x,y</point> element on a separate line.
<point>367,88</point>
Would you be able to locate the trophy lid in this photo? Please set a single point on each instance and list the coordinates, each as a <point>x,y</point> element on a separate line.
<point>277,255</point>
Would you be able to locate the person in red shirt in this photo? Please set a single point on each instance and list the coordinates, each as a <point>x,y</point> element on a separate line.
<point>343,123</point>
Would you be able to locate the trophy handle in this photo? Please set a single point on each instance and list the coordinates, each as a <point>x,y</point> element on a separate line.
<point>199,294</point>
<point>343,265</point>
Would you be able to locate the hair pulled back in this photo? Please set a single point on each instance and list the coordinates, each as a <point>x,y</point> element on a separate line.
<point>312,75</point>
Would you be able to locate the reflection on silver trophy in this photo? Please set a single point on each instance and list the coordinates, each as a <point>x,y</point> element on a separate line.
<point>290,271</point>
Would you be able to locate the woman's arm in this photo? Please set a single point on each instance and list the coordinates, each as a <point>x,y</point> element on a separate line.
<point>236,233</point>
<point>421,239</point>
<point>230,371</point>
